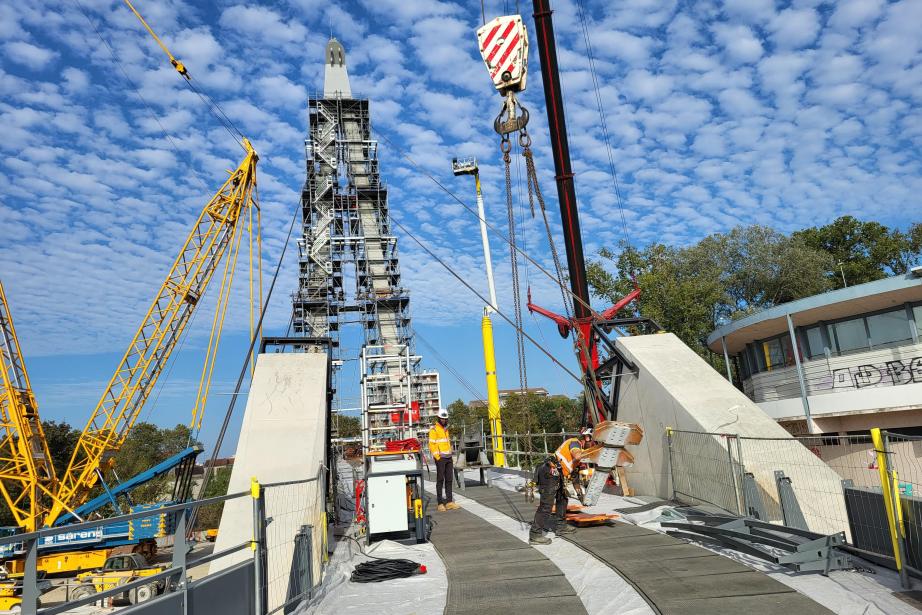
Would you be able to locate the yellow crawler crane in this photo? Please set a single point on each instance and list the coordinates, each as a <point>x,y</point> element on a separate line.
<point>217,230</point>
<point>27,477</point>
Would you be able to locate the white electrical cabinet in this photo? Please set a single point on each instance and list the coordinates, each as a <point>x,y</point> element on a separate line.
<point>393,488</point>
<point>387,504</point>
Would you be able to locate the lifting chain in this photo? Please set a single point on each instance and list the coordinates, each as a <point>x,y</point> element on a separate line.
<point>506,123</point>
<point>506,147</point>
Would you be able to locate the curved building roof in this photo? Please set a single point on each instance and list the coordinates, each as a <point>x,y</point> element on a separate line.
<point>842,303</point>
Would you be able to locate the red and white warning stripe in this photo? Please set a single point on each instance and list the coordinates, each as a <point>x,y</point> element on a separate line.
<point>503,45</point>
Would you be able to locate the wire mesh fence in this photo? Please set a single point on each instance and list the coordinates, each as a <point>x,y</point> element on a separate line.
<point>294,542</point>
<point>906,462</point>
<point>703,470</point>
<point>825,483</point>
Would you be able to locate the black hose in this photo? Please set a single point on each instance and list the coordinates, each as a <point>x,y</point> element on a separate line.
<point>382,568</point>
<point>385,570</point>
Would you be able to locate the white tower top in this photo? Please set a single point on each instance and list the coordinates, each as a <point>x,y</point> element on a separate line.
<point>336,78</point>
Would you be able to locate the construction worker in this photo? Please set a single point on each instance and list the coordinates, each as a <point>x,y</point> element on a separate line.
<point>550,476</point>
<point>440,448</point>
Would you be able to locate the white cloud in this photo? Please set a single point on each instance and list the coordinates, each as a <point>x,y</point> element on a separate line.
<point>264,25</point>
<point>740,43</point>
<point>75,80</point>
<point>28,54</point>
<point>645,85</point>
<point>278,91</point>
<point>794,28</point>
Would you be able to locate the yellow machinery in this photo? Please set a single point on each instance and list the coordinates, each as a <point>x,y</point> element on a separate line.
<point>468,166</point>
<point>27,476</point>
<point>30,487</point>
<point>120,570</point>
<point>217,229</point>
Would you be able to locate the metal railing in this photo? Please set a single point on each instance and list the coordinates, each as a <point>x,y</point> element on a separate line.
<point>279,584</point>
<point>866,486</point>
<point>521,450</point>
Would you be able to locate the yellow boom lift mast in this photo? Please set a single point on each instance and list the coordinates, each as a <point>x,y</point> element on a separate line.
<point>27,475</point>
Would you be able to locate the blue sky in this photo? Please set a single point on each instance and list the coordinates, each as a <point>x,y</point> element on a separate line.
<point>721,113</point>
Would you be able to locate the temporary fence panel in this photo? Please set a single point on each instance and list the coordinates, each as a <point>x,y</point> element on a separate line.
<point>703,469</point>
<point>905,458</point>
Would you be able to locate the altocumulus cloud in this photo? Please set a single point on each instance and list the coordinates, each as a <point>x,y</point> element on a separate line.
<point>721,113</point>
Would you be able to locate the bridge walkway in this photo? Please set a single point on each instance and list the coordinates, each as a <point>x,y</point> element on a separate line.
<point>674,577</point>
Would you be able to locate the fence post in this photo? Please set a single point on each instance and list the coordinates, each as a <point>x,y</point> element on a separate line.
<point>886,487</point>
<point>742,476</point>
<point>30,578</point>
<point>736,488</point>
<point>671,471</point>
<point>897,513</point>
<point>261,594</point>
<point>179,558</point>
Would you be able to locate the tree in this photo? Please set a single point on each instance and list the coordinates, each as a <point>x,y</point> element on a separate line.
<point>146,446</point>
<point>864,251</point>
<point>210,516</point>
<point>690,291</point>
<point>348,426</point>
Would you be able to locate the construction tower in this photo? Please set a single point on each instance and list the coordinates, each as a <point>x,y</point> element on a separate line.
<point>346,235</point>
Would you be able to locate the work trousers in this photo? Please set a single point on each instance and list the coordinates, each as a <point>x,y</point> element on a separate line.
<point>549,478</point>
<point>444,476</point>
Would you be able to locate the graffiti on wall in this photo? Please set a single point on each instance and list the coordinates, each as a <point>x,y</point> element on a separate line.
<point>890,373</point>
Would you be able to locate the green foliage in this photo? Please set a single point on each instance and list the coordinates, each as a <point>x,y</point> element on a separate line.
<point>145,446</point>
<point>61,439</point>
<point>867,251</point>
<point>210,516</point>
<point>521,414</point>
<point>348,426</point>
<point>689,291</point>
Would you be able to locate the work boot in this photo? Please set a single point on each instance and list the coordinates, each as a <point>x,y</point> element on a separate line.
<point>452,506</point>
<point>538,539</point>
<point>441,508</point>
<point>563,528</point>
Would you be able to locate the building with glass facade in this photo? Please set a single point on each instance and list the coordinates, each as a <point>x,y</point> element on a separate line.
<point>839,362</point>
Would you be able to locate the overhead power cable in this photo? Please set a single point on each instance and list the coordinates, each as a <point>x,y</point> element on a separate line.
<point>467,285</point>
<point>497,232</point>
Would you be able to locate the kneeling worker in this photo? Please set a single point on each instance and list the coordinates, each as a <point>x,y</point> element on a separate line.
<point>550,476</point>
<point>440,447</point>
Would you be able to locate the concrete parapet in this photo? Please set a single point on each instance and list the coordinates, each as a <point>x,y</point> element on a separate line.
<point>676,388</point>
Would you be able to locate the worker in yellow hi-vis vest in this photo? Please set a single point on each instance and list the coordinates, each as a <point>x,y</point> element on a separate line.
<point>440,447</point>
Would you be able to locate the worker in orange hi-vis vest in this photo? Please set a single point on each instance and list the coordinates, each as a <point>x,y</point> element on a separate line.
<point>549,476</point>
<point>440,447</point>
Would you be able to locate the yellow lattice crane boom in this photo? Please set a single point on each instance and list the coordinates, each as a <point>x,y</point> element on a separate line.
<point>27,477</point>
<point>134,379</point>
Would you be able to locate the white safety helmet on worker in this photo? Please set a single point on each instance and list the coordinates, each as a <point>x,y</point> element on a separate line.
<point>586,431</point>
<point>443,413</point>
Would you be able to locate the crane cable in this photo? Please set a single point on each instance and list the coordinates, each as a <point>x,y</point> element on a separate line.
<point>212,105</point>
<point>513,254</point>
<point>602,122</point>
<point>497,232</point>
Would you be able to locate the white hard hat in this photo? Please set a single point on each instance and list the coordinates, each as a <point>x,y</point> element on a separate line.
<point>586,431</point>
<point>443,413</point>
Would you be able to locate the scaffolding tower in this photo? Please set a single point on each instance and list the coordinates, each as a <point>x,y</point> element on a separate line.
<point>346,234</point>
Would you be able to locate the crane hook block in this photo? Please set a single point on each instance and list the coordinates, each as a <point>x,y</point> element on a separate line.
<point>503,43</point>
